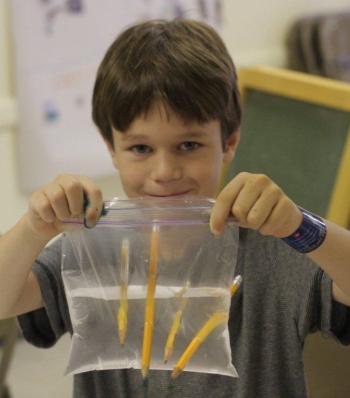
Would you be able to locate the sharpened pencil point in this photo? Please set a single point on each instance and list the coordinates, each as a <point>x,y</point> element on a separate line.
<point>145,387</point>
<point>171,385</point>
<point>175,373</point>
<point>144,373</point>
<point>122,335</point>
<point>167,353</point>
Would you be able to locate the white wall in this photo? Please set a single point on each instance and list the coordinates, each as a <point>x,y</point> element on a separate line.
<point>254,32</point>
<point>13,203</point>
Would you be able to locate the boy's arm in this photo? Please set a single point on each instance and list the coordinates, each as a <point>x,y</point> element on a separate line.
<point>19,287</point>
<point>333,256</point>
<point>257,202</point>
<point>59,200</point>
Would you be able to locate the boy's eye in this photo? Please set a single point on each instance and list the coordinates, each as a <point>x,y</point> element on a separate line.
<point>141,149</point>
<point>189,146</point>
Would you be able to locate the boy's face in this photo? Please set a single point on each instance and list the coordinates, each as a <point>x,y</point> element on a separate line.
<point>159,155</point>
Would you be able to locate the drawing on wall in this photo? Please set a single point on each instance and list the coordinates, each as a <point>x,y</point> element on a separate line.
<point>53,9</point>
<point>58,46</point>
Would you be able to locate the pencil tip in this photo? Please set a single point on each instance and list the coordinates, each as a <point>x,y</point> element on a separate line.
<point>145,388</point>
<point>171,385</point>
<point>122,341</point>
<point>145,382</point>
<point>144,373</point>
<point>175,373</point>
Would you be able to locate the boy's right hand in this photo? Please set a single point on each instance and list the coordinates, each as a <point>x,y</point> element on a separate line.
<point>63,199</point>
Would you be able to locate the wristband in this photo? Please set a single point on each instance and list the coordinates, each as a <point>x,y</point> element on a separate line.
<point>310,235</point>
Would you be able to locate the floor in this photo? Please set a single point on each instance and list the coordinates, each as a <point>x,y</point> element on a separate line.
<point>39,373</point>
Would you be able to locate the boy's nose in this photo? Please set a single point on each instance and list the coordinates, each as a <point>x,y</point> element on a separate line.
<point>166,168</point>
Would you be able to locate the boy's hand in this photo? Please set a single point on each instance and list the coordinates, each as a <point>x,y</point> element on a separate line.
<point>63,199</point>
<point>256,202</point>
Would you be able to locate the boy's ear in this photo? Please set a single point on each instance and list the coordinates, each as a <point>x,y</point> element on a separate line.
<point>231,145</point>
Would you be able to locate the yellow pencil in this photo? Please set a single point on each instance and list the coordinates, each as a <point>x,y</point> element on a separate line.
<point>123,306</point>
<point>235,285</point>
<point>175,326</point>
<point>150,303</point>
<point>213,322</point>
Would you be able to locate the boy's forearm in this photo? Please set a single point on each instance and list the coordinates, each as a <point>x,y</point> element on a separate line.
<point>333,256</point>
<point>19,247</point>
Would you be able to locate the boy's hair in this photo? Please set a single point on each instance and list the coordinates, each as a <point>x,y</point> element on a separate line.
<point>183,64</point>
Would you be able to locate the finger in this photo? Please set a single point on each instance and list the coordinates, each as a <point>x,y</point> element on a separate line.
<point>74,193</point>
<point>263,207</point>
<point>95,202</point>
<point>246,200</point>
<point>41,207</point>
<point>223,204</point>
<point>58,200</point>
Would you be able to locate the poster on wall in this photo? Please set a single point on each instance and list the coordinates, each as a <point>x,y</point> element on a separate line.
<point>58,46</point>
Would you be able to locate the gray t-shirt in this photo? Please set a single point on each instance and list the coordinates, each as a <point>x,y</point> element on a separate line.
<point>283,298</point>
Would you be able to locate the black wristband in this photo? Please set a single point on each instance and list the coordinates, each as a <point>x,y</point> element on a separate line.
<point>310,235</point>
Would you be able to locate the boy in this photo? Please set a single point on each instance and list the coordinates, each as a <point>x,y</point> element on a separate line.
<point>166,103</point>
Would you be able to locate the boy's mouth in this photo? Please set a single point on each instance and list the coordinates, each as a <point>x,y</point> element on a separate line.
<point>169,194</point>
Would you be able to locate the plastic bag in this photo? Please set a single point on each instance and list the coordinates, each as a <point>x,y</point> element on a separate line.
<point>149,288</point>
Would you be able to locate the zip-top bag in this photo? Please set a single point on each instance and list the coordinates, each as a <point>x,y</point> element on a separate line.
<point>149,288</point>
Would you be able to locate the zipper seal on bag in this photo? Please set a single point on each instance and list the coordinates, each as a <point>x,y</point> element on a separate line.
<point>190,210</point>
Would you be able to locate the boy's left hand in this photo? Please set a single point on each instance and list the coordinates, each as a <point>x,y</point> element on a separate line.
<point>256,202</point>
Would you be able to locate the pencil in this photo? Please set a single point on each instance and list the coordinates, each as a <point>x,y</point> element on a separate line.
<point>213,322</point>
<point>123,306</point>
<point>150,303</point>
<point>235,285</point>
<point>175,326</point>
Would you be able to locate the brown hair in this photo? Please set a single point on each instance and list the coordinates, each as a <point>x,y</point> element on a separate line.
<point>184,64</point>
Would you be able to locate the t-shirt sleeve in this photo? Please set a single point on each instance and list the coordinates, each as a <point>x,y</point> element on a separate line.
<point>45,326</point>
<point>318,310</point>
<point>334,316</point>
